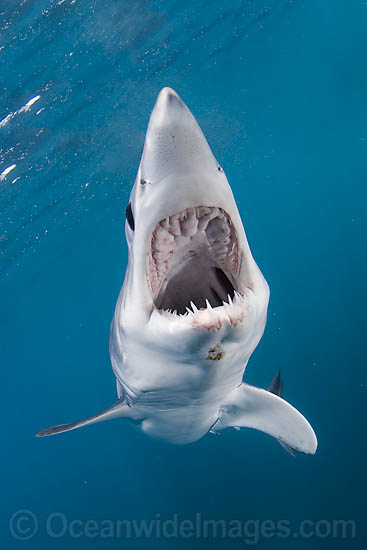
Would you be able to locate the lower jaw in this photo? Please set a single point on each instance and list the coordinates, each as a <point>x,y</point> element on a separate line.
<point>231,313</point>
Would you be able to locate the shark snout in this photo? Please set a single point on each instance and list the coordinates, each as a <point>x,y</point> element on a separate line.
<point>174,142</point>
<point>167,100</point>
<point>178,170</point>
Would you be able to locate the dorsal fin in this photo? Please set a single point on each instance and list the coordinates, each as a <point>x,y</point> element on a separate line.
<point>276,386</point>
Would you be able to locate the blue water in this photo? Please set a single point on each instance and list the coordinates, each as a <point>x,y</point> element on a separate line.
<point>279,88</point>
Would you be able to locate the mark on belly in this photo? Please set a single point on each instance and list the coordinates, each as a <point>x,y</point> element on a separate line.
<point>215,353</point>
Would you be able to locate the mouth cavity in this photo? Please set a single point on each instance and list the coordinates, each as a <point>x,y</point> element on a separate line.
<point>194,261</point>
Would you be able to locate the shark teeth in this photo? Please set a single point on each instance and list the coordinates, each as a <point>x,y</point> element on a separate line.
<point>212,319</point>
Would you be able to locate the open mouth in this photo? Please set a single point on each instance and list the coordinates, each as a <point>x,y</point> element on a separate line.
<point>194,261</point>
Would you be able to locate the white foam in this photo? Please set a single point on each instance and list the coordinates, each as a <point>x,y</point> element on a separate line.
<point>23,109</point>
<point>5,172</point>
<point>29,103</point>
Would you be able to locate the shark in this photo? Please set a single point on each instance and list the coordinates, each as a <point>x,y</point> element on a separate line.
<point>193,305</point>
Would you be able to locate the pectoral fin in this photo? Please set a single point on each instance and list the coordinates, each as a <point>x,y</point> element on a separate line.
<point>118,409</point>
<point>250,407</point>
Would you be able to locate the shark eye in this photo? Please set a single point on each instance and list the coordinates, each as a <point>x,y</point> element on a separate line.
<point>219,168</point>
<point>130,217</point>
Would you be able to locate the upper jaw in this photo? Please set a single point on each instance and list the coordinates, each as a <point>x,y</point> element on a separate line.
<point>194,258</point>
<point>177,170</point>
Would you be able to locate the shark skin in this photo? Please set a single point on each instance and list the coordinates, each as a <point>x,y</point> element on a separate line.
<point>193,304</point>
